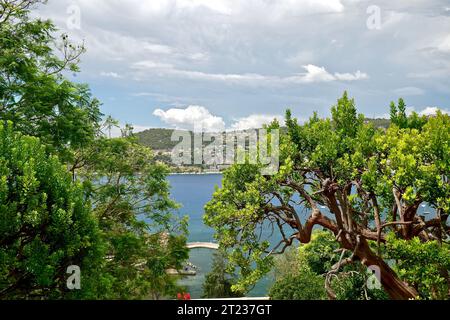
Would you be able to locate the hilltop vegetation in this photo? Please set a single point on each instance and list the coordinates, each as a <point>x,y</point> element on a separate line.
<point>159,139</point>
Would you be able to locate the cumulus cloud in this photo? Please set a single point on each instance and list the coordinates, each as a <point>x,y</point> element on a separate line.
<point>428,111</point>
<point>255,121</point>
<point>200,118</point>
<point>192,118</point>
<point>319,74</point>
<point>316,74</point>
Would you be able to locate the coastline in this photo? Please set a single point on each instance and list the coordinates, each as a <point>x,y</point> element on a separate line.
<point>194,173</point>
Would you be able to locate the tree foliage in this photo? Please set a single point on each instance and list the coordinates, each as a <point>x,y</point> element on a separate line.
<point>124,190</point>
<point>46,224</point>
<point>34,94</point>
<point>300,273</point>
<point>131,199</point>
<point>355,180</point>
<point>218,282</point>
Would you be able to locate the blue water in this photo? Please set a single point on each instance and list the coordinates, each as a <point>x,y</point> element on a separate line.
<point>193,192</point>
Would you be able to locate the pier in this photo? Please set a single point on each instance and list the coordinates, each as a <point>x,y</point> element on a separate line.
<point>204,245</point>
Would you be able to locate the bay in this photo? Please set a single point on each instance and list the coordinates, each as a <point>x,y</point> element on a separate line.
<point>193,191</point>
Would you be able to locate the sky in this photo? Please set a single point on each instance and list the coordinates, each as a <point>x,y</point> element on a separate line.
<point>237,64</point>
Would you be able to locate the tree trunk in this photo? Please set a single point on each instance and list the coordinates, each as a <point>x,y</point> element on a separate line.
<point>397,289</point>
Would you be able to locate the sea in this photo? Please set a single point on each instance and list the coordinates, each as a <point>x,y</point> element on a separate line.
<point>193,191</point>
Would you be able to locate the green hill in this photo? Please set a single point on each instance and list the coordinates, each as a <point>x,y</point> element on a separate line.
<point>160,138</point>
<point>157,139</point>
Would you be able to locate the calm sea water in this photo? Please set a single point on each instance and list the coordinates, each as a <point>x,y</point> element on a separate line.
<point>193,192</point>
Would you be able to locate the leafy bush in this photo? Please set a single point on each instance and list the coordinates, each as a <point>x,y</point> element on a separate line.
<point>303,285</point>
<point>45,224</point>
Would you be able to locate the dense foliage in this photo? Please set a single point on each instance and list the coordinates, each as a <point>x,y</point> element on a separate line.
<point>218,281</point>
<point>46,224</point>
<point>358,181</point>
<point>108,211</point>
<point>300,273</point>
<point>295,279</point>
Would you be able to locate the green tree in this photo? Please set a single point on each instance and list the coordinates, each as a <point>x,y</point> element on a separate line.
<point>295,279</point>
<point>424,265</point>
<point>109,124</point>
<point>128,191</point>
<point>394,113</point>
<point>46,225</point>
<point>34,94</point>
<point>218,282</point>
<point>369,180</point>
<point>402,120</point>
<point>131,198</point>
<point>304,285</point>
<point>301,273</point>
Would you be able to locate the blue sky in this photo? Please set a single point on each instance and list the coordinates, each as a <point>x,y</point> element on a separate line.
<point>237,64</point>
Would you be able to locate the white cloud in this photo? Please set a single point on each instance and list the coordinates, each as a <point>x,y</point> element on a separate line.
<point>200,118</point>
<point>409,91</point>
<point>316,74</point>
<point>110,75</point>
<point>313,74</point>
<point>255,121</point>
<point>444,46</point>
<point>192,118</point>
<point>278,8</point>
<point>358,75</point>
<point>431,111</point>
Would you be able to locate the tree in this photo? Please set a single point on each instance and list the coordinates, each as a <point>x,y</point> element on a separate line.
<point>295,280</point>
<point>46,225</point>
<point>131,199</point>
<point>34,94</point>
<point>370,181</point>
<point>301,272</point>
<point>304,285</point>
<point>110,123</point>
<point>425,265</point>
<point>402,120</point>
<point>128,192</point>
<point>218,282</point>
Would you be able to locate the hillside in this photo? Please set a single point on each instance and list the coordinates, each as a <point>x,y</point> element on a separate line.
<point>160,138</point>
<point>157,139</point>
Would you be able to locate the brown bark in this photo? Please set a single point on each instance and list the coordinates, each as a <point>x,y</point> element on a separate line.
<point>397,289</point>
<point>355,239</point>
